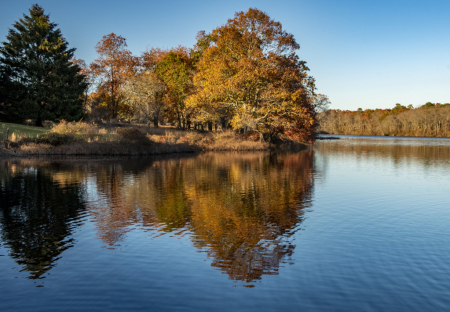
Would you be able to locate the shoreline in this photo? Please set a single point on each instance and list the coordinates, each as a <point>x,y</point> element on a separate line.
<point>112,149</point>
<point>378,136</point>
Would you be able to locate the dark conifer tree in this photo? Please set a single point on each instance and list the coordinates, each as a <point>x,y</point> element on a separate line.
<point>39,79</point>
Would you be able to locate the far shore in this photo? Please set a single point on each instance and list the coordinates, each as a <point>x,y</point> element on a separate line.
<point>329,136</point>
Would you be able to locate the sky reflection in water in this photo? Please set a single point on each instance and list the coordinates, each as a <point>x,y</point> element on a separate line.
<point>355,224</point>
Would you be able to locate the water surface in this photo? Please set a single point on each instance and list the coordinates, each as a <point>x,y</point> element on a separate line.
<point>356,224</point>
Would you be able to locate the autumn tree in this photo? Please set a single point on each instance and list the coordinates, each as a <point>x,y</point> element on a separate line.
<point>151,57</point>
<point>175,69</point>
<point>321,104</point>
<point>398,108</point>
<point>112,68</point>
<point>144,92</point>
<point>40,79</point>
<point>248,71</point>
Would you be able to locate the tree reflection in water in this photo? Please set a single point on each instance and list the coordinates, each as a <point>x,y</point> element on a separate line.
<point>36,215</point>
<point>241,209</point>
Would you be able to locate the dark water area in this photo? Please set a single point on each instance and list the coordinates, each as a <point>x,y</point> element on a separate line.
<point>356,224</point>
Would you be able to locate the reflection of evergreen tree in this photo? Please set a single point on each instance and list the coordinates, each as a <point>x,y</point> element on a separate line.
<point>36,219</point>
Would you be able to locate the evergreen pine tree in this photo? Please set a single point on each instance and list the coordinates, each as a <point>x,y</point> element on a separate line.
<point>37,76</point>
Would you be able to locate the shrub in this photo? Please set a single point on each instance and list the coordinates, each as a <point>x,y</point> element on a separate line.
<point>252,136</point>
<point>207,140</point>
<point>183,139</point>
<point>154,138</point>
<point>162,140</point>
<point>81,127</point>
<point>51,138</point>
<point>192,137</point>
<point>132,135</point>
<point>48,124</point>
<point>171,137</point>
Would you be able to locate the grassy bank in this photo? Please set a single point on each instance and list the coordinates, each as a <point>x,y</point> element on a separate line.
<point>87,139</point>
<point>17,131</point>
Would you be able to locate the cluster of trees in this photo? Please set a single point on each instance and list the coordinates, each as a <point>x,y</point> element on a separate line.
<point>430,119</point>
<point>39,76</point>
<point>244,74</point>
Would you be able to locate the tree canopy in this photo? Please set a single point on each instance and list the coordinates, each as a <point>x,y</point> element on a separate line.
<point>245,73</point>
<point>175,69</point>
<point>143,92</point>
<point>39,77</point>
<point>248,70</point>
<point>112,68</point>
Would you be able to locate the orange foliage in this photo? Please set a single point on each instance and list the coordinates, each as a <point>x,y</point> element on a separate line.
<point>245,73</point>
<point>111,70</point>
<point>249,70</point>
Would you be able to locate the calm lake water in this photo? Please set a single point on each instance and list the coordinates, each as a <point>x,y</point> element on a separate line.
<point>356,224</point>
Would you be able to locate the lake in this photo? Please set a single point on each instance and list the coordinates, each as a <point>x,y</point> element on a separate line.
<point>355,224</point>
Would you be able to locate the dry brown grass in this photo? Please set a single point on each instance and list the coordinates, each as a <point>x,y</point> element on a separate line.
<point>229,141</point>
<point>106,148</point>
<point>81,127</point>
<point>92,140</point>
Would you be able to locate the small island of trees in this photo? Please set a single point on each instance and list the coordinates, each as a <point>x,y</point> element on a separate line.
<point>244,76</point>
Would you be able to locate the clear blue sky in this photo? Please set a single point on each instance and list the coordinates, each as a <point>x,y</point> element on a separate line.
<point>368,54</point>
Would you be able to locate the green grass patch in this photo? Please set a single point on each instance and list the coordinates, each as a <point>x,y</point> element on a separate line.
<point>20,130</point>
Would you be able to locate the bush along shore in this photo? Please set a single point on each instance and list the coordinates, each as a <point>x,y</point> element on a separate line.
<point>88,139</point>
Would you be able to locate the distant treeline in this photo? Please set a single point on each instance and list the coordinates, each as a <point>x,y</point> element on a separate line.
<point>430,119</point>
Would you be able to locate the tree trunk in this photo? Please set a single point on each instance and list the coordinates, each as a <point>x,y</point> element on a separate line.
<point>222,121</point>
<point>39,120</point>
<point>113,98</point>
<point>179,120</point>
